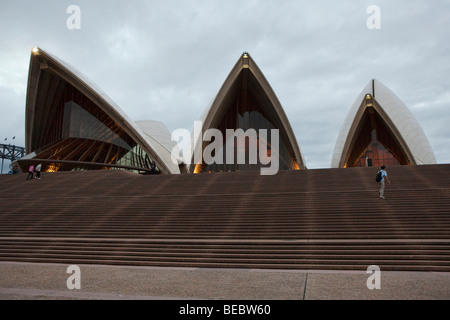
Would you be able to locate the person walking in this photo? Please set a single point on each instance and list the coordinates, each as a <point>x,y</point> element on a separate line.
<point>384,178</point>
<point>153,167</point>
<point>38,171</point>
<point>30,172</point>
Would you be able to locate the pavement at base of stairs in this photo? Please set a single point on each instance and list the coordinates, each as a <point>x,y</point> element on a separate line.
<point>40,281</point>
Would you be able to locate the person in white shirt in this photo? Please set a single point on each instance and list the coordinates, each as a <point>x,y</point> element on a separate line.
<point>384,178</point>
<point>38,171</point>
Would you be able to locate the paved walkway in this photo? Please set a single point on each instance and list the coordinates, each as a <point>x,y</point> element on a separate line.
<point>25,281</point>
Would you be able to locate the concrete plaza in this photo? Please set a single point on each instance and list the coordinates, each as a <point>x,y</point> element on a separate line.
<point>40,281</point>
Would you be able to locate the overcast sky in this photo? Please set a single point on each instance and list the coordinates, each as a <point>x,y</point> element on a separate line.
<point>166,60</point>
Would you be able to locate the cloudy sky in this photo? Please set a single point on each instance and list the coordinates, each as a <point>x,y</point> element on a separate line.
<point>166,60</point>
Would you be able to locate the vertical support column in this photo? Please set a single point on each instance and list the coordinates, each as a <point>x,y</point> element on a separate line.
<point>244,108</point>
<point>3,157</point>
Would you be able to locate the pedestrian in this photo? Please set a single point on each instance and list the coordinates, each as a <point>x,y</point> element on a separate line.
<point>30,172</point>
<point>384,178</point>
<point>153,167</point>
<point>38,171</point>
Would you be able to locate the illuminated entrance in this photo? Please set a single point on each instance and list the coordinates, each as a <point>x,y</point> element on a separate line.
<point>380,130</point>
<point>375,145</point>
<point>246,101</point>
<point>71,125</point>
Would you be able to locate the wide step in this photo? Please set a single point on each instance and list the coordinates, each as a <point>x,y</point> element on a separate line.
<point>315,219</point>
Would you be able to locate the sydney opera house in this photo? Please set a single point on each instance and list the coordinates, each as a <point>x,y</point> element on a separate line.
<point>73,125</point>
<point>380,130</point>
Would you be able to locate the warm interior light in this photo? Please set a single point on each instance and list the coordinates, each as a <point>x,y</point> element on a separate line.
<point>198,168</point>
<point>35,50</point>
<point>54,167</point>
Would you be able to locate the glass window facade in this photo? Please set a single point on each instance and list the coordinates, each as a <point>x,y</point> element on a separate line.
<point>78,123</point>
<point>81,136</point>
<point>375,145</point>
<point>245,111</point>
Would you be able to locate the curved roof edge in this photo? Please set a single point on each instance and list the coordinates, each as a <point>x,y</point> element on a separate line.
<point>41,59</point>
<point>246,61</point>
<point>157,134</point>
<point>396,114</point>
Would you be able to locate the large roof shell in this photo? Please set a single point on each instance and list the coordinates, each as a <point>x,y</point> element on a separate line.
<point>157,134</point>
<point>396,115</point>
<point>42,60</point>
<point>213,114</point>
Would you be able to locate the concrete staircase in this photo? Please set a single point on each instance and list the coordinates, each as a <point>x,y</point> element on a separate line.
<point>313,219</point>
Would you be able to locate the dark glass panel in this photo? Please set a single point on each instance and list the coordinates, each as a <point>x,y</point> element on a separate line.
<point>86,138</point>
<point>245,113</point>
<point>375,144</point>
<point>78,123</point>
